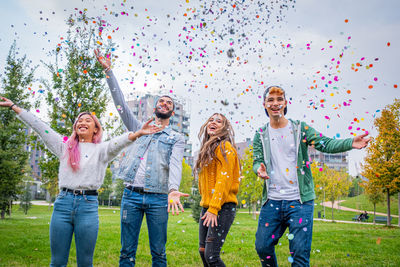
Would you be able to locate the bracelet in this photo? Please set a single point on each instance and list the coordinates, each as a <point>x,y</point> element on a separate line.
<point>12,106</point>
<point>107,69</point>
<point>172,190</point>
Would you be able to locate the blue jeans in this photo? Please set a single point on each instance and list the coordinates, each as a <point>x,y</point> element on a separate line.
<point>78,215</point>
<point>275,217</point>
<point>133,206</point>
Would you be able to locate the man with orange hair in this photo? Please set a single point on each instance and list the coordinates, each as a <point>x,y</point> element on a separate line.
<point>281,159</point>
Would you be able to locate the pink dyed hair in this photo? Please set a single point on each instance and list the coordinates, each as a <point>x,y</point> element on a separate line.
<point>73,151</point>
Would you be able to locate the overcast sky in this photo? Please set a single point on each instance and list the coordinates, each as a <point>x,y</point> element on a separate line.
<point>219,56</point>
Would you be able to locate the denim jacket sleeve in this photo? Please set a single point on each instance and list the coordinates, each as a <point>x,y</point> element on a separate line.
<point>175,163</point>
<point>126,114</point>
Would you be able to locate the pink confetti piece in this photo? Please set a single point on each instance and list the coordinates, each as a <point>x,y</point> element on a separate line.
<point>300,220</point>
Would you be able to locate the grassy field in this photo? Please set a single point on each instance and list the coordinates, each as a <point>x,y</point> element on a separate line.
<point>361,203</point>
<point>25,242</point>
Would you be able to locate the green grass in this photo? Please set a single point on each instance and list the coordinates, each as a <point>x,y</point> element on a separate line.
<point>25,242</point>
<point>361,203</point>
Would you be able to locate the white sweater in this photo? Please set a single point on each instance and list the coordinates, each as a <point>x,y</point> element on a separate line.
<point>94,157</point>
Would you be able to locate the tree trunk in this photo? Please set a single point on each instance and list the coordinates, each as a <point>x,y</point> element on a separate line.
<point>398,205</point>
<point>374,212</point>
<point>3,213</point>
<point>388,208</point>
<point>254,211</point>
<point>333,201</point>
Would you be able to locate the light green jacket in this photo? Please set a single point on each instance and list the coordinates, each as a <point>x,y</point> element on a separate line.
<point>304,136</point>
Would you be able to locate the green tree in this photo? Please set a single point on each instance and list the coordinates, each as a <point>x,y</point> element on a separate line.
<point>186,181</point>
<point>77,85</point>
<point>320,182</point>
<point>334,183</point>
<point>195,199</point>
<point>118,189</point>
<point>374,194</point>
<point>106,188</point>
<point>18,75</point>
<point>382,163</point>
<point>26,196</point>
<point>251,185</point>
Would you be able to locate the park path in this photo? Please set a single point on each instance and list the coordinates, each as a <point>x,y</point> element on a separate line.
<point>328,204</point>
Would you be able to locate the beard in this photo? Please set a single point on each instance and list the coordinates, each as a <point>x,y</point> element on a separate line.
<point>163,115</point>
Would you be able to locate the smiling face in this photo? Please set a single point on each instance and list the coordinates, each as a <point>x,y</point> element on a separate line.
<point>86,127</point>
<point>215,124</point>
<point>275,103</point>
<point>164,107</point>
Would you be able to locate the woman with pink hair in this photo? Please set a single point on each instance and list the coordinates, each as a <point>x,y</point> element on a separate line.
<point>83,163</point>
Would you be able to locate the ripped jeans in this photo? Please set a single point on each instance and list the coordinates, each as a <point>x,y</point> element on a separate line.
<point>211,239</point>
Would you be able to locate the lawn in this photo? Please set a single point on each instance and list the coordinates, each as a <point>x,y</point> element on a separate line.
<point>25,242</point>
<point>361,203</point>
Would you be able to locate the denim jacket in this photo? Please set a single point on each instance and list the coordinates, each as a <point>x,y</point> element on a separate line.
<point>165,150</point>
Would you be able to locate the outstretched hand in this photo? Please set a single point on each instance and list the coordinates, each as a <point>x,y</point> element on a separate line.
<point>150,129</point>
<point>5,102</point>
<point>104,61</point>
<point>262,172</point>
<point>174,202</point>
<point>360,141</point>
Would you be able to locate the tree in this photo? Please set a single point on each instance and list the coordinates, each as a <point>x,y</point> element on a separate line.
<point>374,194</point>
<point>186,181</point>
<point>18,75</point>
<point>320,181</point>
<point>26,196</point>
<point>335,183</point>
<point>251,185</point>
<point>196,198</point>
<point>119,189</point>
<point>106,188</point>
<point>382,163</point>
<point>75,86</point>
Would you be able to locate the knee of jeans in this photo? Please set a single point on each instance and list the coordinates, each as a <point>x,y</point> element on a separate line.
<point>212,259</point>
<point>210,239</point>
<point>264,248</point>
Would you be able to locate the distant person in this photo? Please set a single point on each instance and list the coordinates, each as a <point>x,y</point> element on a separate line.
<point>280,157</point>
<point>363,216</point>
<point>83,162</point>
<point>152,172</point>
<point>219,171</point>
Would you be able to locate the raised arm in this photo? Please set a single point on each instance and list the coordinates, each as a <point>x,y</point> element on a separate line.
<point>323,143</point>
<point>52,139</point>
<point>115,145</point>
<point>127,116</point>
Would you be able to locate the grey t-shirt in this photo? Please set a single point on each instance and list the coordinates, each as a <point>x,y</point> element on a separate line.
<point>283,184</point>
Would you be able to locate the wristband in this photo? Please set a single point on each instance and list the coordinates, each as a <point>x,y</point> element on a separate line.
<point>12,106</point>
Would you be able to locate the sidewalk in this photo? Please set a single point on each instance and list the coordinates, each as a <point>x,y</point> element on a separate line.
<point>328,204</point>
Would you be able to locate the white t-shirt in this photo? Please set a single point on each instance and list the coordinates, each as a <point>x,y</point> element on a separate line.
<point>283,183</point>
